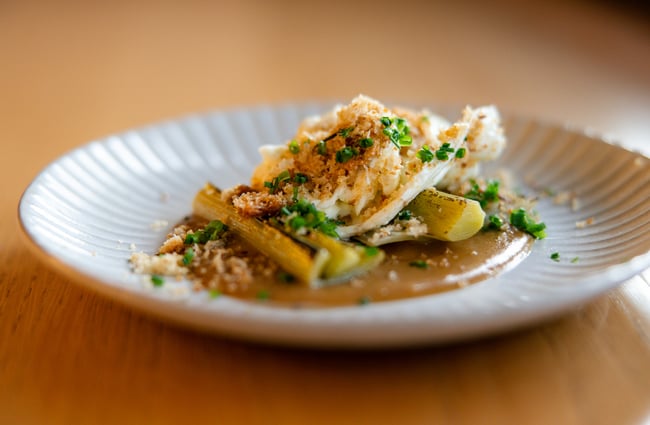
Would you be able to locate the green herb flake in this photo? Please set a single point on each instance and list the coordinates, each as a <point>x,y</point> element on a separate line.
<point>345,132</point>
<point>211,232</point>
<point>442,155</point>
<point>286,277</point>
<point>300,178</point>
<point>495,222</point>
<point>425,154</point>
<point>303,213</point>
<point>484,197</point>
<point>555,257</point>
<point>460,153</point>
<point>157,280</point>
<point>522,221</point>
<point>294,148</point>
<point>575,260</point>
<point>321,147</point>
<point>397,131</point>
<point>404,215</point>
<point>366,143</point>
<point>274,185</point>
<point>188,256</point>
<point>365,300</point>
<point>214,293</point>
<point>443,152</point>
<point>420,264</point>
<point>371,251</point>
<point>263,295</point>
<point>345,154</point>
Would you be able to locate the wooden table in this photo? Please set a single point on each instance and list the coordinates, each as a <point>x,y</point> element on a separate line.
<point>74,71</point>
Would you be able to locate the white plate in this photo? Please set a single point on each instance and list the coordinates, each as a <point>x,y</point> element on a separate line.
<point>86,209</point>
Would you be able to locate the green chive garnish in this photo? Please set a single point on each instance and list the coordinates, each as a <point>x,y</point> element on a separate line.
<point>404,215</point>
<point>366,143</point>
<point>522,221</point>
<point>425,154</point>
<point>157,280</point>
<point>294,148</point>
<point>495,222</point>
<point>371,251</point>
<point>364,300</point>
<point>346,154</point>
<point>321,147</point>
<point>420,264</point>
<point>263,295</point>
<point>188,256</point>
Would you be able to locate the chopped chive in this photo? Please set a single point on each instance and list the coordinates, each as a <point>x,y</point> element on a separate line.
<point>442,155</point>
<point>346,154</point>
<point>397,131</point>
<point>575,260</point>
<point>460,153</point>
<point>371,251</point>
<point>495,222</point>
<point>420,264</point>
<point>404,215</point>
<point>211,232</point>
<point>300,178</point>
<point>214,293</point>
<point>484,197</point>
<point>555,256</point>
<point>425,154</point>
<point>263,295</point>
<point>303,213</point>
<point>522,221</point>
<point>366,143</point>
<point>286,277</point>
<point>294,148</point>
<point>405,140</point>
<point>157,280</point>
<point>345,132</point>
<point>297,222</point>
<point>365,300</point>
<point>188,256</point>
<point>321,147</point>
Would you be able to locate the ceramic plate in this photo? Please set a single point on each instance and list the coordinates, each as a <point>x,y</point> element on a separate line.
<point>90,208</point>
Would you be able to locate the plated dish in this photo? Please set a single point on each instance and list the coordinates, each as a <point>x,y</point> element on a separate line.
<point>89,210</point>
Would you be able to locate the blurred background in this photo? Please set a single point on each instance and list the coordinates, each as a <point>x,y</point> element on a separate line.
<point>72,70</point>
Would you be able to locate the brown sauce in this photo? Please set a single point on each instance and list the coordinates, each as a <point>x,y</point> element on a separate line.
<point>450,265</point>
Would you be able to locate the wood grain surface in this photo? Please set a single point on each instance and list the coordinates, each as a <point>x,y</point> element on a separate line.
<point>74,71</point>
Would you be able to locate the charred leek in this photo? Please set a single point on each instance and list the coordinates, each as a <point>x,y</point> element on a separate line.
<point>314,259</point>
<point>447,217</point>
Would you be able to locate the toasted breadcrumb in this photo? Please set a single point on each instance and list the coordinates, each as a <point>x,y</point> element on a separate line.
<point>258,204</point>
<point>575,204</point>
<point>174,243</point>
<point>159,225</point>
<point>413,226</point>
<point>584,223</point>
<point>225,265</point>
<point>167,264</point>
<point>234,191</point>
<point>562,198</point>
